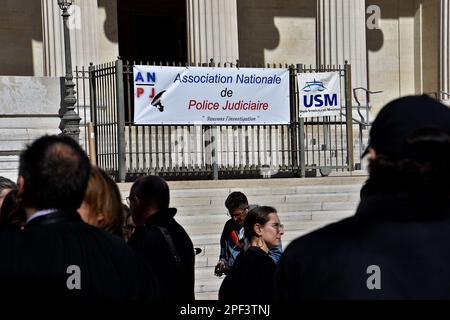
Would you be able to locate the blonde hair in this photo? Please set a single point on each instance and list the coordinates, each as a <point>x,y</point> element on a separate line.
<point>103,196</point>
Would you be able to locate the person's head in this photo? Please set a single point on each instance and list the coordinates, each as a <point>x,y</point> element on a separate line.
<point>102,205</point>
<point>53,174</point>
<point>148,195</point>
<point>237,206</point>
<point>409,147</point>
<point>6,186</point>
<point>262,227</point>
<point>11,211</point>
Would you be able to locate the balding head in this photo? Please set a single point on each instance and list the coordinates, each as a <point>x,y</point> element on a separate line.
<point>55,171</point>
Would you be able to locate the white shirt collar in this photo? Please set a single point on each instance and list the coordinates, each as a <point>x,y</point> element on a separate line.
<point>41,213</point>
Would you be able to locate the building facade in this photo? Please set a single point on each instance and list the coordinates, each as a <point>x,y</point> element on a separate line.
<point>398,47</point>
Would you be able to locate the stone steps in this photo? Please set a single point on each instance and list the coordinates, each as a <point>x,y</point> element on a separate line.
<point>303,205</point>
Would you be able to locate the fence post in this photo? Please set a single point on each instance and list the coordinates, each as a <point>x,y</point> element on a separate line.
<point>120,120</point>
<point>294,119</point>
<point>92,143</point>
<point>301,134</point>
<point>93,103</point>
<point>215,165</point>
<point>349,112</point>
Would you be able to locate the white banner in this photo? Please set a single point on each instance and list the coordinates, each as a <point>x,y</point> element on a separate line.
<point>319,94</point>
<point>219,96</point>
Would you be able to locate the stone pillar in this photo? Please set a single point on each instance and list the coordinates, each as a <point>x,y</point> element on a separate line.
<point>341,35</point>
<point>445,48</point>
<point>83,27</point>
<point>212,31</point>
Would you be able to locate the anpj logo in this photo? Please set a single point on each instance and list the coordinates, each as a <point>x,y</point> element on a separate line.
<point>316,99</point>
<point>149,81</point>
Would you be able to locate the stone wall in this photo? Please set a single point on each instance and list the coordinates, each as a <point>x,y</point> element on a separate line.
<point>29,108</point>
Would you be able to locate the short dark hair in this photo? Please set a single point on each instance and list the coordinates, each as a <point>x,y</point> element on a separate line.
<point>235,200</point>
<point>55,171</point>
<point>257,215</point>
<point>5,183</point>
<point>152,190</point>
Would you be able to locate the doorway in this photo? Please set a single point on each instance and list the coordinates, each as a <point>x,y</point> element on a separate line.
<point>152,31</point>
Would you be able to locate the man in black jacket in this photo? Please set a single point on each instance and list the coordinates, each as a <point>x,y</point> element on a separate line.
<point>159,239</point>
<point>58,256</point>
<point>397,246</point>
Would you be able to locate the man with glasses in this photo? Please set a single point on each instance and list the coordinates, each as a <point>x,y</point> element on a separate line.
<point>159,239</point>
<point>232,238</point>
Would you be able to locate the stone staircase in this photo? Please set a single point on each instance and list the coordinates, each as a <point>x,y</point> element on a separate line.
<point>303,205</point>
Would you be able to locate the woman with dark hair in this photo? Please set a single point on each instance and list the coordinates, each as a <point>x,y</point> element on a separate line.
<point>12,213</point>
<point>251,277</point>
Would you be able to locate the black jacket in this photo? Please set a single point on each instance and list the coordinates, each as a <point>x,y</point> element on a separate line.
<point>250,279</point>
<point>151,245</point>
<point>37,261</point>
<point>392,243</point>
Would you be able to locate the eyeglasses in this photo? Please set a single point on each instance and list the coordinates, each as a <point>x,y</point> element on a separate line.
<point>278,226</point>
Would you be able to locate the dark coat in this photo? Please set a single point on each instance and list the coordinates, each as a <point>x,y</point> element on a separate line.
<point>150,244</point>
<point>250,279</point>
<point>409,243</point>
<point>36,261</point>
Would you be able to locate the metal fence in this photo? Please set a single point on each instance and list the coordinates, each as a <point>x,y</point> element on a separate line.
<point>126,150</point>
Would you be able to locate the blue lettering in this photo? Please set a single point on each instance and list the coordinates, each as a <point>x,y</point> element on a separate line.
<point>139,77</point>
<point>319,101</point>
<point>331,100</point>
<point>177,78</point>
<point>307,103</point>
<point>151,77</point>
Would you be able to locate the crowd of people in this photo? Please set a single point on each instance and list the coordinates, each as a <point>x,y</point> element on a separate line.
<point>65,233</point>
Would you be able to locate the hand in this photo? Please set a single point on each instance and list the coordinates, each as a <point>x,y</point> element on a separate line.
<point>219,269</point>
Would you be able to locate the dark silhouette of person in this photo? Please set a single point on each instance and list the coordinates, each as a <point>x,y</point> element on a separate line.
<point>58,256</point>
<point>162,243</point>
<point>397,245</point>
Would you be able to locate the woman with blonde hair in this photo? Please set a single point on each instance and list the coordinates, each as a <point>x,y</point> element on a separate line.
<point>102,204</point>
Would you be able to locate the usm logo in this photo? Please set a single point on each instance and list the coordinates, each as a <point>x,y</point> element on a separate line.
<point>318,99</point>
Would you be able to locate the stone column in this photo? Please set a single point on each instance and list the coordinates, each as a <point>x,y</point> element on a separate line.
<point>341,35</point>
<point>83,27</point>
<point>212,31</point>
<point>445,48</point>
